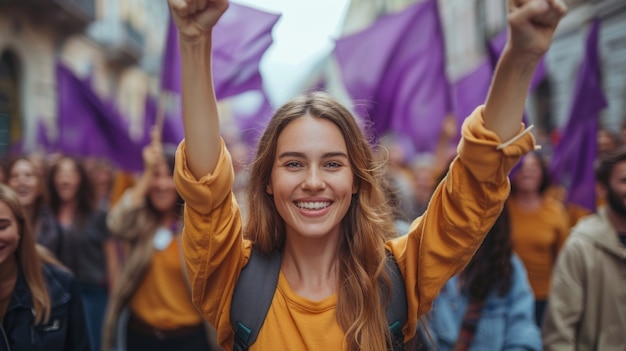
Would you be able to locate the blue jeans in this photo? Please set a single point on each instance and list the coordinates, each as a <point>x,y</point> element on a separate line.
<point>95,299</point>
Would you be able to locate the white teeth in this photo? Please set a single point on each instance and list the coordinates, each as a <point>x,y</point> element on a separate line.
<point>313,205</point>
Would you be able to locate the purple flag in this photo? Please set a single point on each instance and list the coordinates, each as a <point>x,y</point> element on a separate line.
<point>471,90</point>
<point>240,39</point>
<point>89,127</point>
<point>574,156</point>
<point>170,67</point>
<point>495,46</point>
<point>394,71</point>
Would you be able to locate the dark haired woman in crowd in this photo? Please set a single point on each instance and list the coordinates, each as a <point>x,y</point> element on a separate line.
<point>489,305</point>
<point>40,304</point>
<point>80,246</point>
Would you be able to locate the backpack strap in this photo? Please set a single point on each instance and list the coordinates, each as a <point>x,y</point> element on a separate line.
<point>256,287</point>
<point>397,308</point>
<point>253,296</point>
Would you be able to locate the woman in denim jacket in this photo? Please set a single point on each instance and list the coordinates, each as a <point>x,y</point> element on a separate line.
<point>494,288</point>
<point>40,304</point>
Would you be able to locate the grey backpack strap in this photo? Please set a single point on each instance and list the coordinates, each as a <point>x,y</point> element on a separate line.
<point>256,287</point>
<point>253,296</point>
<point>397,309</point>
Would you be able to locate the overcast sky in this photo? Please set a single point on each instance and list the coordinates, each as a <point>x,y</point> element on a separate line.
<point>302,36</point>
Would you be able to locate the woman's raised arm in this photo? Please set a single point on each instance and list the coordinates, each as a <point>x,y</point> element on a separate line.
<point>195,20</point>
<point>531,26</point>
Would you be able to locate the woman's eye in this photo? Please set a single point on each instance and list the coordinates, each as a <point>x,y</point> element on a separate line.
<point>333,165</point>
<point>292,164</point>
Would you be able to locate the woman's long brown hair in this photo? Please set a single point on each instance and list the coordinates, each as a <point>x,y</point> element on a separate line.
<point>28,257</point>
<point>365,227</point>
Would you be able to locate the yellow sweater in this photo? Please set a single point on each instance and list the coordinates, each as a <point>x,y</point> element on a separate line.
<point>537,238</point>
<point>162,299</point>
<point>438,246</point>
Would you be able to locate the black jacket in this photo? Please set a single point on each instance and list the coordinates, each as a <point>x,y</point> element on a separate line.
<point>65,330</point>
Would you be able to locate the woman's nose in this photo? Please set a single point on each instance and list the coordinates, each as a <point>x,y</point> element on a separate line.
<point>313,179</point>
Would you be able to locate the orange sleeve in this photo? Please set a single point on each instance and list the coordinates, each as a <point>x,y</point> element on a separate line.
<point>213,245</point>
<point>461,212</point>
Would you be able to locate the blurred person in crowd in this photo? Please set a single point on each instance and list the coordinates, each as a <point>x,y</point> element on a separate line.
<point>539,223</point>
<point>429,168</point>
<point>424,181</point>
<point>489,305</point>
<point>25,178</point>
<point>394,151</point>
<point>40,304</point>
<point>316,201</point>
<point>81,244</point>
<point>152,310</point>
<point>608,141</point>
<point>587,309</point>
<point>101,174</point>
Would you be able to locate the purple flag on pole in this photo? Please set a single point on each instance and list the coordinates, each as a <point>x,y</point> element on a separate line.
<point>240,39</point>
<point>574,156</point>
<point>89,127</point>
<point>394,71</point>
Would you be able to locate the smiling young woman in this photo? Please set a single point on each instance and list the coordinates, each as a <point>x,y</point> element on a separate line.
<point>316,199</point>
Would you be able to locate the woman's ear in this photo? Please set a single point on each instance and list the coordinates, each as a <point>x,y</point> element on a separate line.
<point>268,189</point>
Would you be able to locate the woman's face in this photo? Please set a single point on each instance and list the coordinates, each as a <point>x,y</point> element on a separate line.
<point>24,180</point>
<point>312,181</point>
<point>67,180</point>
<point>162,191</point>
<point>529,176</point>
<point>9,233</point>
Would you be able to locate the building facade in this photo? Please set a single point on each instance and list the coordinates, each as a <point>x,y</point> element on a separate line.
<point>116,43</point>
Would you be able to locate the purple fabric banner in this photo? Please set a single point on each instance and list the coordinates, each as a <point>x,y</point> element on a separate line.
<point>170,67</point>
<point>572,164</point>
<point>471,90</point>
<point>240,39</point>
<point>90,127</point>
<point>394,71</point>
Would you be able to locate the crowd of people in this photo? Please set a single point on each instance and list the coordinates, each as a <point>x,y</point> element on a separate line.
<point>487,255</point>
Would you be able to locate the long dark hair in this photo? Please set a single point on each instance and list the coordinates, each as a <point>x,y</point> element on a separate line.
<point>491,265</point>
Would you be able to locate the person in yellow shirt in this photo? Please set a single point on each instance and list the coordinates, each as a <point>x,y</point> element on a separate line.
<point>151,306</point>
<point>315,198</point>
<point>539,225</point>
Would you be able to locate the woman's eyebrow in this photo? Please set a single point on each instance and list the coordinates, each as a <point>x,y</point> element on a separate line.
<point>297,154</point>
